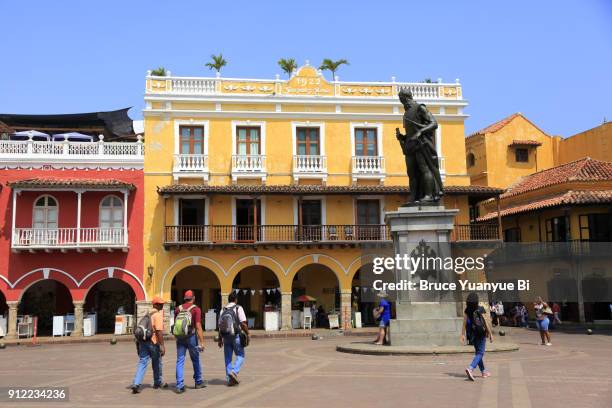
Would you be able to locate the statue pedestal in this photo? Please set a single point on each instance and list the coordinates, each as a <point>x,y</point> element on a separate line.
<point>424,318</point>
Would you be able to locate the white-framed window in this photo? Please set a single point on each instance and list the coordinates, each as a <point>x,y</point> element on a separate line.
<point>191,137</point>
<point>45,212</point>
<point>366,139</point>
<point>308,138</point>
<point>111,212</point>
<point>248,138</point>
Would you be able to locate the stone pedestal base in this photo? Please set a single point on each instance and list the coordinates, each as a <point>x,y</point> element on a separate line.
<point>433,324</point>
<point>424,318</point>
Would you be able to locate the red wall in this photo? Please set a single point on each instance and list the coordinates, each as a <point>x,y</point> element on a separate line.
<point>78,265</point>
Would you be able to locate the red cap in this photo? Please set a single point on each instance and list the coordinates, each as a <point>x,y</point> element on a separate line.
<point>158,301</point>
<point>188,295</point>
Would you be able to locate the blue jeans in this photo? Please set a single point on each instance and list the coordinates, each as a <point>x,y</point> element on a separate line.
<point>182,345</point>
<point>148,351</point>
<point>479,345</point>
<point>231,345</point>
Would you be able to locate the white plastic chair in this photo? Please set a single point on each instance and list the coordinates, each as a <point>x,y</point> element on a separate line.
<point>307,318</point>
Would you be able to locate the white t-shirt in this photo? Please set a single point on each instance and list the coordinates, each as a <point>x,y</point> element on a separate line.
<point>500,309</point>
<point>239,311</point>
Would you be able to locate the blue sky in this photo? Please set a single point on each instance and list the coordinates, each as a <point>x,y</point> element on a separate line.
<point>550,60</point>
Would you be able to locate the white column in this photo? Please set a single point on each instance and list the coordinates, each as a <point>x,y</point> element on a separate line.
<point>125,212</point>
<point>14,213</point>
<point>78,231</point>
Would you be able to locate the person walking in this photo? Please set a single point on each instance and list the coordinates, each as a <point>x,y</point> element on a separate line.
<point>234,336</point>
<point>383,314</point>
<point>151,348</point>
<point>477,329</point>
<point>189,337</point>
<point>542,310</point>
<point>556,309</point>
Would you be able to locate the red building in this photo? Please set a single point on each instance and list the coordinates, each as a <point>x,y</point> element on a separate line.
<point>72,219</point>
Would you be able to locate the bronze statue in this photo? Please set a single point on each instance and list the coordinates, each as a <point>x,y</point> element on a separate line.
<point>419,148</point>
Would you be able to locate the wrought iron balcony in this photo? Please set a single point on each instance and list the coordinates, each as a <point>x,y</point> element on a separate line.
<point>296,234</point>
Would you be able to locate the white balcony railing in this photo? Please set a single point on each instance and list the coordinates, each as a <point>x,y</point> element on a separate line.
<point>368,165</point>
<point>191,163</point>
<point>248,163</point>
<point>47,152</point>
<point>49,238</point>
<point>309,164</point>
<point>252,86</point>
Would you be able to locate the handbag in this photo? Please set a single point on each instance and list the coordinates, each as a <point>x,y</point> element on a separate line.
<point>547,310</point>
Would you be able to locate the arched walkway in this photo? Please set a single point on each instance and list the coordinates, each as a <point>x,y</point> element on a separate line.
<point>3,314</point>
<point>318,281</point>
<point>44,299</point>
<point>364,297</point>
<point>106,299</point>
<point>204,284</point>
<point>258,290</point>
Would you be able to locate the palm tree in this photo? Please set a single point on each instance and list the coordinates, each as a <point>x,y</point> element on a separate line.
<point>332,66</point>
<point>217,62</point>
<point>161,71</point>
<point>288,65</point>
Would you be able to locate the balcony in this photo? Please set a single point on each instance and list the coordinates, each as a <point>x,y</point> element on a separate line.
<point>190,165</point>
<point>309,166</point>
<point>49,153</point>
<point>47,239</point>
<point>368,167</point>
<point>189,235</point>
<point>248,166</point>
<point>475,232</point>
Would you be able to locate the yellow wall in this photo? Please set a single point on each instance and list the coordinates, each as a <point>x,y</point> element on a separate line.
<point>595,143</point>
<point>500,168</point>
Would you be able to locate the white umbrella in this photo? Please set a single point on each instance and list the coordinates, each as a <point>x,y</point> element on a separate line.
<point>33,134</point>
<point>72,136</point>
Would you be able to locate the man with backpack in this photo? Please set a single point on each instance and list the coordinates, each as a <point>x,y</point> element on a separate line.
<point>188,325</point>
<point>234,337</point>
<point>149,335</point>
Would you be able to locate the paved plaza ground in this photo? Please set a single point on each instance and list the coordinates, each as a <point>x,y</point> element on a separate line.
<point>298,372</point>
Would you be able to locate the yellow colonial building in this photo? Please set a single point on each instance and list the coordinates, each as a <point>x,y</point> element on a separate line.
<point>502,153</point>
<point>278,188</point>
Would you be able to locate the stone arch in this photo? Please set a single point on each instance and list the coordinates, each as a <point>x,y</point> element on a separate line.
<point>179,265</point>
<point>101,274</point>
<point>357,264</point>
<point>254,260</point>
<point>28,279</point>
<point>336,267</point>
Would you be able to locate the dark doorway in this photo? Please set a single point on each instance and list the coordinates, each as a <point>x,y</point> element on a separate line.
<point>248,213</point>
<point>192,212</point>
<point>368,219</point>
<point>311,220</point>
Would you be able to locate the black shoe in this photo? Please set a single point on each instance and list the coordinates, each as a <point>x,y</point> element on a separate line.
<point>234,377</point>
<point>163,386</point>
<point>135,389</point>
<point>200,385</point>
<point>180,390</point>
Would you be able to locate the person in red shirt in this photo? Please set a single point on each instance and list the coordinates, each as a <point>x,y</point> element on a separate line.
<point>194,342</point>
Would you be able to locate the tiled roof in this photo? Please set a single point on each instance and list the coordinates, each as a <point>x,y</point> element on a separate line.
<point>525,143</point>
<point>485,192</point>
<point>69,183</point>
<point>566,198</point>
<point>501,123</point>
<point>586,169</point>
